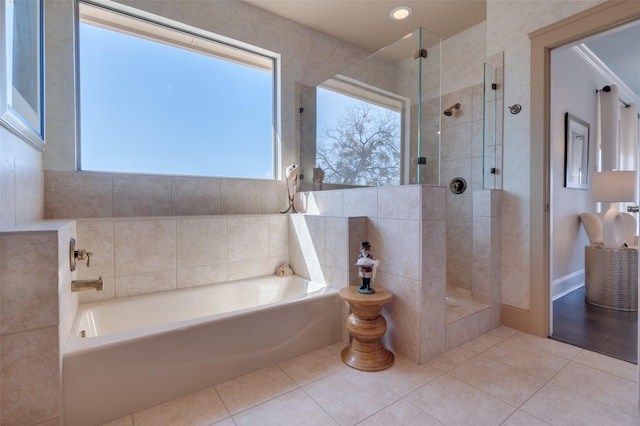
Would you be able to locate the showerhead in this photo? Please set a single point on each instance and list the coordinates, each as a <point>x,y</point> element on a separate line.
<point>449,111</point>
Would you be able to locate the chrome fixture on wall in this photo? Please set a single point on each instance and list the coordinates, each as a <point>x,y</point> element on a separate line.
<point>81,285</point>
<point>75,255</point>
<point>458,185</point>
<point>449,111</point>
<point>515,109</point>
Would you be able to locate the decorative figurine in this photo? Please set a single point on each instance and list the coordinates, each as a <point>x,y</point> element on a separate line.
<point>366,268</point>
<point>291,175</point>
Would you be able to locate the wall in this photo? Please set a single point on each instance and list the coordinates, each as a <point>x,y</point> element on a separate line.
<point>508,25</point>
<point>21,187</point>
<point>92,195</point>
<point>21,203</point>
<point>461,156</point>
<point>573,85</point>
<point>406,226</point>
<point>308,57</point>
<point>36,312</point>
<point>145,255</point>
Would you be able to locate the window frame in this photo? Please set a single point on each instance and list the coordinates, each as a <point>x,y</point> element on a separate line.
<point>135,22</point>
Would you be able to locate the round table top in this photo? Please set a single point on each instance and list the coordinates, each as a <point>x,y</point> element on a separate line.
<point>380,297</point>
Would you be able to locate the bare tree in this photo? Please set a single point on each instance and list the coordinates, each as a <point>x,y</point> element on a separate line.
<point>363,148</point>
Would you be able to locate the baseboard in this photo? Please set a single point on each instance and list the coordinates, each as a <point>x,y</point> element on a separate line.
<point>566,284</point>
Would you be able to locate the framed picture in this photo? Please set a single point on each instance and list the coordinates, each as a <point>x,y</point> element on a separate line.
<point>576,153</point>
<point>21,69</point>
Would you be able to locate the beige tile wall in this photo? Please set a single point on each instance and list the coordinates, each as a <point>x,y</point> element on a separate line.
<point>21,190</point>
<point>487,284</point>
<point>36,312</point>
<point>149,254</point>
<point>93,195</point>
<point>458,138</point>
<point>320,247</point>
<point>406,227</point>
<point>145,255</point>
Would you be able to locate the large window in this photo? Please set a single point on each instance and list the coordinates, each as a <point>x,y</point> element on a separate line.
<point>155,99</point>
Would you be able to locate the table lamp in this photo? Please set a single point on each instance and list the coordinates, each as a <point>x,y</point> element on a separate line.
<point>614,187</point>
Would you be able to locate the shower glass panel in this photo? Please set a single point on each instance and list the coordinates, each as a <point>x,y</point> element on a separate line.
<point>376,123</point>
<point>491,149</point>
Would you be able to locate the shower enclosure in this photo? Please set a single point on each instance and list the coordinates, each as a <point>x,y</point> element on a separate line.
<point>386,122</point>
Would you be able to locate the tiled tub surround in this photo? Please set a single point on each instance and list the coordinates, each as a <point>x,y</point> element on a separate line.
<point>37,308</point>
<point>190,339</point>
<point>94,194</point>
<point>151,254</point>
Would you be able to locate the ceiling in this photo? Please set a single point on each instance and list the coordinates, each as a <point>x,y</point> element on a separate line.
<point>620,51</point>
<point>366,23</point>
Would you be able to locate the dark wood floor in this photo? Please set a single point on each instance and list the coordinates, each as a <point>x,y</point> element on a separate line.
<point>607,331</point>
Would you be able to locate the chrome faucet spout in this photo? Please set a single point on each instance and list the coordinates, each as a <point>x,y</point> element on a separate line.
<point>81,285</point>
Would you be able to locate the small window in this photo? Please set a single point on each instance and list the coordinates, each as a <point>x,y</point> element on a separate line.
<point>155,99</point>
<point>359,138</point>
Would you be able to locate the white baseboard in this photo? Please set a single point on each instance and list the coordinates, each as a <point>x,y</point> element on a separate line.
<point>566,284</point>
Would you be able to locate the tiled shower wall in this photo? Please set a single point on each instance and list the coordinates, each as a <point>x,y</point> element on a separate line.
<point>487,272</point>
<point>465,153</point>
<point>461,157</point>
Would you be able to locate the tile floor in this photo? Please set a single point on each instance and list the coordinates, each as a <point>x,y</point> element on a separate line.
<point>501,378</point>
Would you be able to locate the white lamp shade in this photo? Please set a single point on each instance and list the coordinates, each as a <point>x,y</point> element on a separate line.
<point>614,186</point>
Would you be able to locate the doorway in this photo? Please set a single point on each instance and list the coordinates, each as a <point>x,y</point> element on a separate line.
<point>574,76</point>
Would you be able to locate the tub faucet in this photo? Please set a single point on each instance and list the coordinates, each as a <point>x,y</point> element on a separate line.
<point>81,285</point>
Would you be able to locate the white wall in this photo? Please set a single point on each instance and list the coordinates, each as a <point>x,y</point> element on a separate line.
<point>573,90</point>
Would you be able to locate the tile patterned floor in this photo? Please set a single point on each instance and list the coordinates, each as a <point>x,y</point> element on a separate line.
<point>501,378</point>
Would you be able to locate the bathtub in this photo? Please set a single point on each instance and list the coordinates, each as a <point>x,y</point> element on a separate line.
<point>141,351</point>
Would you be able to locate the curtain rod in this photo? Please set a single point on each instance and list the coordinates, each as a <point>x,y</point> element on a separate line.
<point>607,89</point>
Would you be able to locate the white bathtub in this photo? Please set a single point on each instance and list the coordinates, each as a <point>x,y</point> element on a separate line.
<point>144,350</point>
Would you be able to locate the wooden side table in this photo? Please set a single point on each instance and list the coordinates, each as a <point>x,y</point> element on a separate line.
<point>367,327</point>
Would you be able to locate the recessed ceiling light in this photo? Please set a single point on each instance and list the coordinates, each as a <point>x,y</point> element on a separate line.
<point>400,12</point>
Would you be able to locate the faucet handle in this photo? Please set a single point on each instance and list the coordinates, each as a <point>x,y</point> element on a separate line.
<point>82,254</point>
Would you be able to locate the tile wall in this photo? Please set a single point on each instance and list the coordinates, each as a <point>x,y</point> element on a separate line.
<point>406,227</point>
<point>461,157</point>
<point>36,312</point>
<point>150,254</point>
<point>21,203</point>
<point>487,283</point>
<point>94,195</point>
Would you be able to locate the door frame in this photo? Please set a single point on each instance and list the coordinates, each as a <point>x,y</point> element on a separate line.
<point>600,18</point>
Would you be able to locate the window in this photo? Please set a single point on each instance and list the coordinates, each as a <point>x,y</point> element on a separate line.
<point>156,99</point>
<point>359,138</point>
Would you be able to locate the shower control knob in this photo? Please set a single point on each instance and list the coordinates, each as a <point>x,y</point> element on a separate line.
<point>82,254</point>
